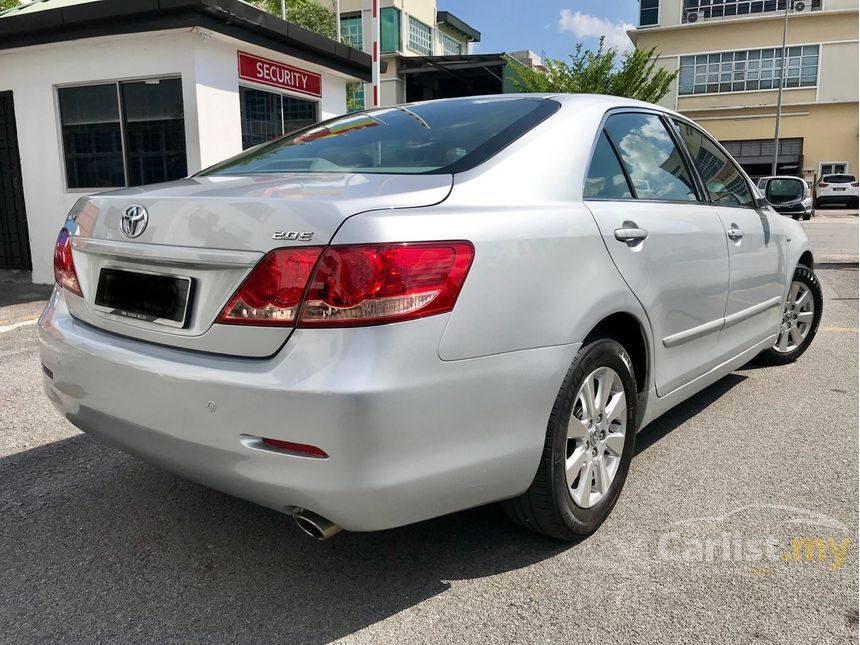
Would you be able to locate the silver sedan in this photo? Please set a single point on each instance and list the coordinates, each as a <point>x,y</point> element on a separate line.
<point>408,311</point>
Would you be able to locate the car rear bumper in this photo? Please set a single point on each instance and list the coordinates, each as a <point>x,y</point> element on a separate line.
<point>409,436</point>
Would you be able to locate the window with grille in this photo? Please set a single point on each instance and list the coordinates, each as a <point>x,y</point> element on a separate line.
<point>746,71</point>
<point>267,115</point>
<point>351,32</point>
<point>420,37</point>
<point>354,97</point>
<point>729,8</point>
<point>451,47</point>
<point>123,134</point>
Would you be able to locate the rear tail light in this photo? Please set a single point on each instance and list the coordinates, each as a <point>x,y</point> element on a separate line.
<point>272,293</point>
<point>855,184</point>
<point>823,185</point>
<point>297,448</point>
<point>351,285</point>
<point>64,264</point>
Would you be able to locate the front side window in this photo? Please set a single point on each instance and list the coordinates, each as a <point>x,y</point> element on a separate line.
<point>420,37</point>
<point>653,161</point>
<point>724,181</point>
<point>649,12</point>
<point>267,115</point>
<point>606,178</point>
<point>748,71</point>
<point>351,32</point>
<point>123,134</point>
<point>428,138</point>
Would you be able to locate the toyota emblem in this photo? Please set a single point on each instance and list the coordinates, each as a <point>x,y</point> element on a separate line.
<point>134,220</point>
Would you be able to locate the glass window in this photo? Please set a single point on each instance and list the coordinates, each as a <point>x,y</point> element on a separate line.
<point>840,178</point>
<point>389,19</point>
<point>443,137</point>
<point>722,8</point>
<point>268,115</point>
<point>351,32</point>
<point>451,47</point>
<point>652,160</point>
<point>354,97</point>
<point>649,11</point>
<point>606,178</point>
<point>94,119</point>
<point>756,69</point>
<point>724,181</point>
<point>154,131</point>
<point>92,136</point>
<point>420,37</point>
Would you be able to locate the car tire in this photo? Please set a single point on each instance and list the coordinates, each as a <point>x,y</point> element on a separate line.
<point>791,350</point>
<point>548,506</point>
<point>807,217</point>
<point>796,217</point>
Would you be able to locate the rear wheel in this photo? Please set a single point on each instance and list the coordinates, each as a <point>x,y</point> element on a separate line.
<point>801,315</point>
<point>588,447</point>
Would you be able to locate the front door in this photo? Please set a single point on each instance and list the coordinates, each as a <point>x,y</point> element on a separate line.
<point>668,244</point>
<point>14,239</point>
<point>756,249</point>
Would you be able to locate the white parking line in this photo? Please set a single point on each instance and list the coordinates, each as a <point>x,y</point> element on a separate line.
<point>23,323</point>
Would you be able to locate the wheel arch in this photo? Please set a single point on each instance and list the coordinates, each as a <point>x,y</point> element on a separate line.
<point>807,260</point>
<point>629,331</point>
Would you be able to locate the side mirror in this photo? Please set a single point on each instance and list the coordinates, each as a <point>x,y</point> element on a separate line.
<point>785,190</point>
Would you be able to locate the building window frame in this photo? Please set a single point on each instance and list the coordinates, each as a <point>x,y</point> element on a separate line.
<point>845,171</point>
<point>748,70</point>
<point>282,94</point>
<point>395,32</point>
<point>420,37</point>
<point>350,35</point>
<point>649,13</point>
<point>117,83</point>
<point>451,46</point>
<point>737,9</point>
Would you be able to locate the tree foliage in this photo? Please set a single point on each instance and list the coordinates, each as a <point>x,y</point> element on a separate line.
<point>305,13</point>
<point>634,74</point>
<point>8,4</point>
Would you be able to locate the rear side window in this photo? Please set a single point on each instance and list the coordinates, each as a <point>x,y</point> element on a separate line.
<point>653,161</point>
<point>838,179</point>
<point>423,138</point>
<point>724,181</point>
<point>606,178</point>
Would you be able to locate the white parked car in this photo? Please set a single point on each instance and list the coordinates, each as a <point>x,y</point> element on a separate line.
<point>837,189</point>
<point>413,310</point>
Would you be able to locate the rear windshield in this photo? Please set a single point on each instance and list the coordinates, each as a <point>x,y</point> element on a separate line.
<point>838,179</point>
<point>422,138</point>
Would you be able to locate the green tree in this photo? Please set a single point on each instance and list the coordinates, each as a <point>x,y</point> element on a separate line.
<point>8,4</point>
<point>305,13</point>
<point>634,74</point>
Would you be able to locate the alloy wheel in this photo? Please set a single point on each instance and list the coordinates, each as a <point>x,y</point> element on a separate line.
<point>798,314</point>
<point>595,437</point>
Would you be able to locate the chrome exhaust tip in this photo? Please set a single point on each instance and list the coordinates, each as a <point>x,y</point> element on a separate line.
<point>315,525</point>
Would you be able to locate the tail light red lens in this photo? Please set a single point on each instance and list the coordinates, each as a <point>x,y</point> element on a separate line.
<point>381,283</point>
<point>298,448</point>
<point>855,184</point>
<point>64,264</point>
<point>354,285</point>
<point>823,185</point>
<point>272,293</point>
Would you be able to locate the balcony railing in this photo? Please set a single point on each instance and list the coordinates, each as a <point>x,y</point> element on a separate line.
<point>696,10</point>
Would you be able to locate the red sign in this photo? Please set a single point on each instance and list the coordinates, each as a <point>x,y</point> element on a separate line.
<point>262,70</point>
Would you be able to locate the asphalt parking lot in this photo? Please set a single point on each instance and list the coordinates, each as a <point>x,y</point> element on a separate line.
<point>724,492</point>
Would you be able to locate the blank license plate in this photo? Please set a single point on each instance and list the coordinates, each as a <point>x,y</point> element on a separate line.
<point>160,299</point>
<point>838,189</point>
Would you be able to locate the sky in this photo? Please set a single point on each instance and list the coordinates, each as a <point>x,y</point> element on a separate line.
<point>548,27</point>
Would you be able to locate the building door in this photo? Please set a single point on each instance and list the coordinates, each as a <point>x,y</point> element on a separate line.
<point>14,239</point>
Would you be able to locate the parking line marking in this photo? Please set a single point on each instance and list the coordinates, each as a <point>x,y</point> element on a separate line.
<point>842,330</point>
<point>23,323</point>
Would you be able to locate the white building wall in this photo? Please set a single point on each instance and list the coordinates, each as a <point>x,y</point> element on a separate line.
<point>207,64</point>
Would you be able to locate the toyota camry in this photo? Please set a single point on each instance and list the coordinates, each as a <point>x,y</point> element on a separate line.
<point>413,310</point>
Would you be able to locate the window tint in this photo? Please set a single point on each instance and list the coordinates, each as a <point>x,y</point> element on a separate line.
<point>724,181</point>
<point>838,179</point>
<point>654,163</point>
<point>606,178</point>
<point>434,137</point>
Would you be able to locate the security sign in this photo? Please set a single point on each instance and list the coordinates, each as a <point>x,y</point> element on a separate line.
<point>269,72</point>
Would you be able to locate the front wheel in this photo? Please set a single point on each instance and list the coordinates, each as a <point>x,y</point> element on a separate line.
<point>801,315</point>
<point>807,217</point>
<point>588,447</point>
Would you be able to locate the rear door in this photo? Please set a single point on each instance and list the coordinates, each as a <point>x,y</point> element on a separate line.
<point>756,245</point>
<point>666,241</point>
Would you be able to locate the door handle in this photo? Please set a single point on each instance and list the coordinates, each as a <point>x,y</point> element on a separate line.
<point>630,233</point>
<point>735,233</point>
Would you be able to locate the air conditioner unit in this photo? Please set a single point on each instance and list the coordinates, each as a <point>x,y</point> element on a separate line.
<point>695,16</point>
<point>802,6</point>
